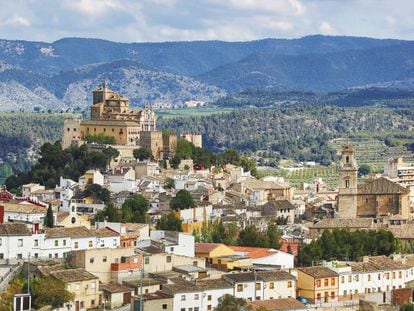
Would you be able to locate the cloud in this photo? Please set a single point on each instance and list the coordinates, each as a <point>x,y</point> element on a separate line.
<point>170,20</point>
<point>17,20</point>
<point>326,29</point>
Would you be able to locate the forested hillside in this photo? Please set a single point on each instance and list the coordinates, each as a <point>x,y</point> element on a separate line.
<point>22,134</point>
<point>299,132</point>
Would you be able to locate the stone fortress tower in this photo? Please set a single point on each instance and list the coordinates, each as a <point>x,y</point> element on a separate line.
<point>348,190</point>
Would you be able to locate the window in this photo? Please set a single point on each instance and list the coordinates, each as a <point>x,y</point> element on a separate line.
<point>342,279</point>
<point>400,275</point>
<point>50,255</point>
<point>76,245</point>
<point>387,275</point>
<point>56,243</point>
<point>318,283</point>
<point>393,275</point>
<point>168,258</point>
<point>356,292</point>
<point>272,285</point>
<point>332,294</point>
<point>318,296</point>
<point>379,276</point>
<point>64,242</point>
<point>1,242</point>
<point>357,278</point>
<point>19,256</point>
<point>91,260</point>
<point>90,243</point>
<point>350,278</point>
<point>195,263</point>
<point>346,183</point>
<point>19,242</point>
<point>258,286</point>
<point>196,296</point>
<point>326,282</point>
<point>1,256</point>
<point>92,302</point>
<point>209,297</point>
<point>345,293</point>
<point>209,307</point>
<point>36,255</point>
<point>164,306</point>
<point>182,297</point>
<point>82,304</point>
<point>369,277</point>
<point>104,259</point>
<point>114,242</point>
<point>239,288</point>
<point>146,260</point>
<point>36,243</point>
<point>196,309</point>
<point>332,281</point>
<point>289,285</point>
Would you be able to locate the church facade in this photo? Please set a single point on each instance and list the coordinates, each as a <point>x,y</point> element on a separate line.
<point>376,198</point>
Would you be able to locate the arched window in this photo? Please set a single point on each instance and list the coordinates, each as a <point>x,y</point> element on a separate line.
<point>347,159</point>
<point>347,183</point>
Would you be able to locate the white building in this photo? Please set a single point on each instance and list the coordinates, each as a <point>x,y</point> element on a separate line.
<point>121,179</point>
<point>172,242</point>
<point>377,274</point>
<point>267,257</point>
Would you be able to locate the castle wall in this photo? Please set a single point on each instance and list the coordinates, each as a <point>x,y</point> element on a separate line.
<point>71,132</point>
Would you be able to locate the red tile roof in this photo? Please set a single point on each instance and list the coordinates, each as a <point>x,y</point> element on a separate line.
<point>206,247</point>
<point>254,252</point>
<point>293,247</point>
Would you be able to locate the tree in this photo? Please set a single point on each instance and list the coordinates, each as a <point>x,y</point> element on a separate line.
<point>98,193</point>
<point>231,156</point>
<point>109,213</point>
<point>48,220</point>
<point>169,222</point>
<point>100,139</point>
<point>175,162</point>
<point>364,169</point>
<point>184,149</point>
<point>135,209</point>
<point>273,236</point>
<point>169,183</point>
<point>182,200</point>
<point>251,236</point>
<point>49,291</point>
<point>230,303</point>
<point>141,154</point>
<point>111,153</point>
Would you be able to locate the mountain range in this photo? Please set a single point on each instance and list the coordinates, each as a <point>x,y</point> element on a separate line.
<point>61,74</point>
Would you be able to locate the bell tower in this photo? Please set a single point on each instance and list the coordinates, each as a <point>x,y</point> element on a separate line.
<point>348,172</point>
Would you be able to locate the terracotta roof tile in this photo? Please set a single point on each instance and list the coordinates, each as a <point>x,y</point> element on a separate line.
<point>319,272</point>
<point>73,275</point>
<point>206,247</point>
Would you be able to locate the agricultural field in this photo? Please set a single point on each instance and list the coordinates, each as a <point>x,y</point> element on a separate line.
<point>191,112</point>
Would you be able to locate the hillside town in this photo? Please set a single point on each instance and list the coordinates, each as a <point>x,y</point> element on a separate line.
<point>149,232</point>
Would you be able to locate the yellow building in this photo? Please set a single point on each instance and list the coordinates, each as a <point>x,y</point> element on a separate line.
<point>193,219</point>
<point>84,286</point>
<point>221,257</point>
<point>318,284</point>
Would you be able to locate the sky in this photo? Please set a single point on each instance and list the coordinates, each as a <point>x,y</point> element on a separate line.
<point>181,20</point>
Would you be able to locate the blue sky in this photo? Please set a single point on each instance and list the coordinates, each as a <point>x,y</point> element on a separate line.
<point>230,20</point>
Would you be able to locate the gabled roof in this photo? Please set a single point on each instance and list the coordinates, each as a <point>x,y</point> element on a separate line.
<point>24,208</point>
<point>242,277</point>
<point>206,247</point>
<point>382,185</point>
<point>115,288</point>
<point>213,284</point>
<point>377,263</point>
<point>361,223</point>
<point>276,275</point>
<point>254,252</point>
<point>319,272</point>
<point>271,207</point>
<point>73,232</point>
<point>180,286</point>
<point>13,229</point>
